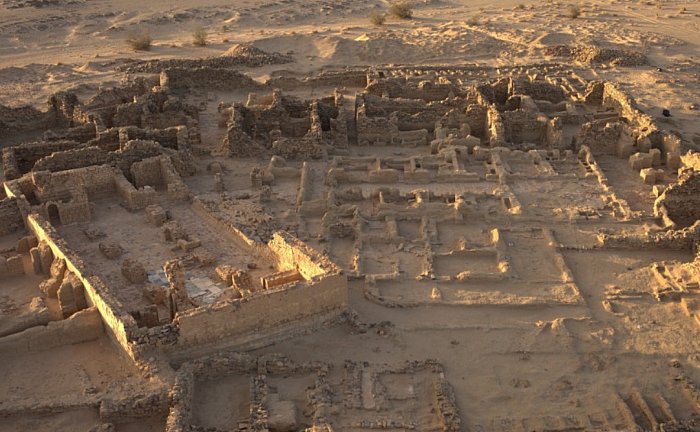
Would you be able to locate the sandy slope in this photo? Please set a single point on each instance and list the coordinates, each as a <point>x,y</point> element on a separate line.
<point>74,43</point>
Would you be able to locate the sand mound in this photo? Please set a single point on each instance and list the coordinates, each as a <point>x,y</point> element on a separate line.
<point>400,46</point>
<point>555,38</point>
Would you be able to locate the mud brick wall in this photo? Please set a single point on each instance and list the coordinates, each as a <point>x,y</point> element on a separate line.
<point>524,127</point>
<point>613,97</point>
<point>82,326</point>
<point>26,155</point>
<point>71,159</point>
<point>82,133</point>
<point>147,173</point>
<point>681,200</point>
<point>10,216</point>
<point>119,324</point>
<point>301,305</point>
<point>538,90</point>
<point>292,254</point>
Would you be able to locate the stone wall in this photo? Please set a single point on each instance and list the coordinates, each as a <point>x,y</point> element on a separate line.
<point>10,216</point>
<point>322,296</point>
<point>71,159</point>
<point>680,202</point>
<point>299,306</point>
<point>206,77</point>
<point>119,324</point>
<point>18,160</point>
<point>82,326</point>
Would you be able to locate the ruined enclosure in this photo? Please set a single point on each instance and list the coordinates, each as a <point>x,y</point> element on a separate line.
<point>417,248</point>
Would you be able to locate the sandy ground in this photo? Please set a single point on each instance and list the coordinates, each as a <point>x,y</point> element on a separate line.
<point>503,363</point>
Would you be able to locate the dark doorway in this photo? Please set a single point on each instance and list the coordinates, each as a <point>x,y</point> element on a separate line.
<point>54,218</point>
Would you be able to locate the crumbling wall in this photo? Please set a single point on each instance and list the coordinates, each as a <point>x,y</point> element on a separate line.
<point>538,90</point>
<point>293,254</point>
<point>680,202</point>
<point>10,216</point>
<point>147,173</point>
<point>18,160</point>
<point>26,118</point>
<point>206,77</point>
<point>71,159</point>
<point>80,327</point>
<point>524,127</point>
<point>118,322</point>
<point>299,305</point>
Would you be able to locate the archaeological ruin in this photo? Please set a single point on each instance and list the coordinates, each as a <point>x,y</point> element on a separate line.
<point>388,248</point>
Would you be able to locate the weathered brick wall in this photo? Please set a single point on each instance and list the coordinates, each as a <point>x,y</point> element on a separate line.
<point>259,316</point>
<point>212,78</point>
<point>119,323</point>
<point>26,155</point>
<point>10,216</point>
<point>71,159</point>
<point>681,200</point>
<point>322,296</point>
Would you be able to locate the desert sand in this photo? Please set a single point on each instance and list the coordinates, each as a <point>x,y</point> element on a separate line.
<point>481,280</point>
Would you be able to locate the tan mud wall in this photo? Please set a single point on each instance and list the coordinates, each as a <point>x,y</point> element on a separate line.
<point>118,323</point>
<point>290,257</point>
<point>10,216</point>
<point>82,326</point>
<point>265,312</point>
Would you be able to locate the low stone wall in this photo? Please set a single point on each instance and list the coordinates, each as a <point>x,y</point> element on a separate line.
<point>71,159</point>
<point>82,326</point>
<point>212,78</point>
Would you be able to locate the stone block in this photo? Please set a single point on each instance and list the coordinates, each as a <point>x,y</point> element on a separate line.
<point>155,294</point>
<point>111,250</point>
<point>625,146</point>
<point>644,145</point>
<point>660,175</point>
<point>640,161</point>
<point>66,299</point>
<point>134,271</point>
<point>50,287</point>
<point>26,243</point>
<point>655,156</point>
<point>46,257</point>
<point>35,255</point>
<point>187,245</point>
<point>155,215</point>
<point>79,294</point>
<point>15,266</point>
<point>225,273</point>
<point>648,175</point>
<point>673,160</point>
<point>58,268</point>
<point>658,190</point>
